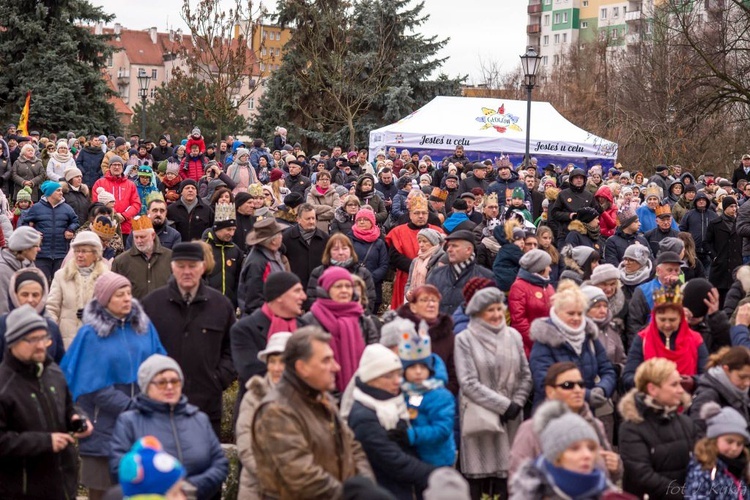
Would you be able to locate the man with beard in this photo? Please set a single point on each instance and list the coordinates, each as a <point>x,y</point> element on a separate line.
<point>386,187</point>
<point>459,159</point>
<point>403,246</point>
<point>157,212</point>
<point>725,246</point>
<point>570,201</point>
<point>663,228</point>
<point>147,263</point>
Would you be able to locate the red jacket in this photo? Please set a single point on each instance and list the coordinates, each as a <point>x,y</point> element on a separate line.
<point>192,167</point>
<point>528,302</point>
<point>127,201</point>
<point>200,142</point>
<point>608,218</point>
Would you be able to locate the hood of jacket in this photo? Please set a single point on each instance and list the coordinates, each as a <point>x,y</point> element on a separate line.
<point>146,405</point>
<point>701,196</point>
<point>99,318</point>
<point>83,188</point>
<point>633,410</point>
<point>604,192</point>
<point>13,297</point>
<point>687,175</point>
<point>542,330</point>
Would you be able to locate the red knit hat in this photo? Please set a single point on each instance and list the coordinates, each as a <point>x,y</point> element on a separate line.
<point>474,285</point>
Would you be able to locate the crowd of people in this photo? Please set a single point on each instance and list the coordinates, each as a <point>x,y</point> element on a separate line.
<point>398,328</point>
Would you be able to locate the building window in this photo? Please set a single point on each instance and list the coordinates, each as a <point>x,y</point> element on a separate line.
<point>557,18</point>
<point>584,25</point>
<point>153,74</point>
<point>546,19</point>
<point>546,40</point>
<point>585,3</point>
<point>557,39</point>
<point>264,52</point>
<point>547,2</point>
<point>603,14</point>
<point>262,67</point>
<point>615,12</point>
<point>153,92</point>
<point>545,60</point>
<point>251,103</point>
<point>110,61</point>
<point>556,60</point>
<point>565,17</point>
<point>565,38</point>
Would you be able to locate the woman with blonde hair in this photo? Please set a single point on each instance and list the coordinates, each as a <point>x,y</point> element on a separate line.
<point>546,239</point>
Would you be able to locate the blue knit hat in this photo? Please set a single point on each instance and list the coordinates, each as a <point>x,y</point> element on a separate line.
<point>148,470</point>
<point>49,187</point>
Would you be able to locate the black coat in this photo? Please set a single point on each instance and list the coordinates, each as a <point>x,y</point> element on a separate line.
<point>244,226</point>
<point>298,184</point>
<point>190,225</point>
<point>568,202</point>
<point>614,249</point>
<point>726,251</point>
<point>197,337</point>
<point>30,409</point>
<point>655,449</point>
<point>79,201</point>
<point>89,162</point>
<point>304,257</point>
<point>226,274</point>
<point>655,236</point>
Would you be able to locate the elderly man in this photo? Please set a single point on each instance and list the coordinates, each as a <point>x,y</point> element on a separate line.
<point>305,242</point>
<point>295,181</point>
<point>647,213</point>
<point>302,447</point>
<point>193,321</point>
<point>227,255</point>
<point>190,214</point>
<point>403,246</point>
<point>640,306</point>
<point>476,179</point>
<point>462,266</point>
<point>157,212</point>
<point>38,422</point>
<point>147,263</point>
<point>664,228</point>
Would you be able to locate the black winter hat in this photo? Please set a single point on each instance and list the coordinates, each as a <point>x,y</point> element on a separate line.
<point>119,142</point>
<point>277,284</point>
<point>727,202</point>
<point>293,200</point>
<point>242,198</point>
<point>187,182</point>
<point>587,214</point>
<point>460,204</point>
<point>693,293</point>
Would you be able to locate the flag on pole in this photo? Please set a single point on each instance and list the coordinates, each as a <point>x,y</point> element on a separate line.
<point>23,122</point>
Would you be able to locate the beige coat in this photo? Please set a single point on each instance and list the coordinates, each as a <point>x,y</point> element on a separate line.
<point>325,206</point>
<point>257,388</point>
<point>69,292</point>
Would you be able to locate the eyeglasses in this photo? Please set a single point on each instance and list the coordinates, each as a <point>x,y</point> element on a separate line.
<point>45,339</point>
<point>82,251</point>
<point>162,384</point>
<point>428,300</point>
<point>570,385</point>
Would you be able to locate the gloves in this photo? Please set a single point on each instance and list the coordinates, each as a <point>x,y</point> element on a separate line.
<point>400,436</point>
<point>597,397</point>
<point>687,383</point>
<point>511,413</point>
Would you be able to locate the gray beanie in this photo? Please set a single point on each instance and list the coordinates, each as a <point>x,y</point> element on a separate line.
<point>240,153</point>
<point>671,244</point>
<point>431,235</point>
<point>483,299</point>
<point>595,294</point>
<point>447,483</point>
<point>23,238</point>
<point>154,365</point>
<point>391,333</point>
<point>604,272</point>
<point>558,428</point>
<point>22,321</point>
<point>638,253</point>
<point>536,261</point>
<point>721,421</point>
<point>116,159</point>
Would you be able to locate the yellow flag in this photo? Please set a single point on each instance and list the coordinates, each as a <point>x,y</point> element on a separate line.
<point>23,122</point>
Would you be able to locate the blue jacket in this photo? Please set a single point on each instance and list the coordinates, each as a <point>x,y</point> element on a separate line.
<point>374,256</point>
<point>507,261</point>
<point>460,319</point>
<point>712,484</point>
<point>451,287</point>
<point>396,469</point>
<point>648,219</point>
<point>185,433</point>
<point>550,347</point>
<point>431,432</point>
<point>398,207</point>
<point>500,186</point>
<point>52,222</point>
<point>89,162</point>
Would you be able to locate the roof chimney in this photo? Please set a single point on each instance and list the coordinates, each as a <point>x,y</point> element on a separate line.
<point>152,34</point>
<point>98,28</point>
<point>118,29</point>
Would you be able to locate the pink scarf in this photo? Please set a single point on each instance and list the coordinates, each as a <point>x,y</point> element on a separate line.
<point>367,236</point>
<point>278,324</point>
<point>419,272</point>
<point>322,191</point>
<point>341,320</point>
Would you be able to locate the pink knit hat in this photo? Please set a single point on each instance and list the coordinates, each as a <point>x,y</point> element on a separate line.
<point>331,276</point>
<point>366,213</point>
<point>106,286</point>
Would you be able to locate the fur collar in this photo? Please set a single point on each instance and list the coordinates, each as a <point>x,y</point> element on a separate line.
<point>542,330</point>
<point>632,411</point>
<point>84,189</point>
<point>578,227</point>
<point>70,271</point>
<point>258,386</point>
<point>743,276</point>
<point>573,265</point>
<point>97,316</point>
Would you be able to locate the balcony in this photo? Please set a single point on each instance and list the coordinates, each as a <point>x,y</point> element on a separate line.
<point>633,16</point>
<point>632,38</point>
<point>534,9</point>
<point>533,28</point>
<point>123,76</point>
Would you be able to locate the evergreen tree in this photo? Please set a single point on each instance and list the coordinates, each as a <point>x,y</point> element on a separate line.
<point>47,48</point>
<point>349,69</point>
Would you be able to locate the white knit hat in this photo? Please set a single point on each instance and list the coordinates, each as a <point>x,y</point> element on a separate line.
<point>377,360</point>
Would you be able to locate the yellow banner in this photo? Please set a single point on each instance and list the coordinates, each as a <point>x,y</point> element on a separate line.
<point>23,122</point>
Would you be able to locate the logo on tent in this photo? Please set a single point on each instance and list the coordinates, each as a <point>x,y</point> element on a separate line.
<point>498,120</point>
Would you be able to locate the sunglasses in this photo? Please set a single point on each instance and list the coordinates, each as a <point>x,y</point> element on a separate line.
<point>570,385</point>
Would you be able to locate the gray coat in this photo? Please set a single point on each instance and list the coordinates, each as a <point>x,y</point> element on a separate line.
<point>492,372</point>
<point>743,227</point>
<point>8,266</point>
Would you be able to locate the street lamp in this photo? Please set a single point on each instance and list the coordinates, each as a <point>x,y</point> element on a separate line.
<point>530,64</point>
<point>143,81</point>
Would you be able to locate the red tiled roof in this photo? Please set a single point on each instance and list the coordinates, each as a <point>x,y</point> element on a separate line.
<point>120,107</point>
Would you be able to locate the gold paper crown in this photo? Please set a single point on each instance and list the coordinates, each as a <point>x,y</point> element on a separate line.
<point>668,295</point>
<point>663,210</point>
<point>418,203</point>
<point>141,222</point>
<point>255,190</point>
<point>490,198</point>
<point>653,190</point>
<point>104,227</point>
<point>154,195</point>
<point>224,212</point>
<point>439,194</point>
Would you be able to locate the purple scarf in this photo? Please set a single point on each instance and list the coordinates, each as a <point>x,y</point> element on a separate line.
<point>341,320</point>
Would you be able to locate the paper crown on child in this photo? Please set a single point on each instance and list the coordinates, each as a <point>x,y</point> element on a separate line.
<point>417,348</point>
<point>255,190</point>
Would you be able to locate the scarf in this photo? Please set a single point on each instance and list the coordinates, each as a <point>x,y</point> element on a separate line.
<point>735,466</point>
<point>459,267</point>
<point>533,278</point>
<point>575,484</point>
<point>278,324</point>
<point>684,350</point>
<point>593,231</point>
<point>343,263</point>
<point>617,302</point>
<point>388,411</point>
<point>502,357</point>
<point>419,271</point>
<point>368,235</point>
<point>321,191</point>
<point>657,407</point>
<point>307,235</point>
<point>728,221</point>
<point>414,389</point>
<point>720,375</point>
<point>602,324</point>
<point>637,277</point>
<point>86,271</point>
<point>573,336</point>
<point>190,206</point>
<point>275,262</point>
<point>491,244</point>
<point>341,320</point>
<point>62,158</point>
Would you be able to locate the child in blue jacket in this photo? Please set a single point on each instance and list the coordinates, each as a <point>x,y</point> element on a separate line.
<point>432,407</point>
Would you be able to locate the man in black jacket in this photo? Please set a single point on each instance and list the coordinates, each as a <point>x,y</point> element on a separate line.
<point>89,161</point>
<point>162,151</point>
<point>295,181</point>
<point>37,428</point>
<point>193,321</point>
<point>386,187</point>
<point>190,215</point>
<point>304,244</point>
<point>626,235</point>
<point>570,201</point>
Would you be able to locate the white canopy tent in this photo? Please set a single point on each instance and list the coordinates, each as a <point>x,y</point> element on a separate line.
<point>485,126</point>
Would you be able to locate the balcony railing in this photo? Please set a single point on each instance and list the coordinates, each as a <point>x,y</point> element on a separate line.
<point>533,28</point>
<point>534,9</point>
<point>633,16</point>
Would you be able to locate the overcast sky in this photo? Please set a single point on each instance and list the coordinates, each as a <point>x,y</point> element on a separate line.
<point>488,30</point>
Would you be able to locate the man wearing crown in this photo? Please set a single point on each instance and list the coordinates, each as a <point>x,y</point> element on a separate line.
<point>669,336</point>
<point>664,227</point>
<point>647,212</point>
<point>403,247</point>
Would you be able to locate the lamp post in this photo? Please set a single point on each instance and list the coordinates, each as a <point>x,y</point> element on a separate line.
<point>530,64</point>
<point>143,81</point>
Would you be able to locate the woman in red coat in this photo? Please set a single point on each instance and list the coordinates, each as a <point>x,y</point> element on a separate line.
<point>608,218</point>
<point>530,294</point>
<point>127,201</point>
